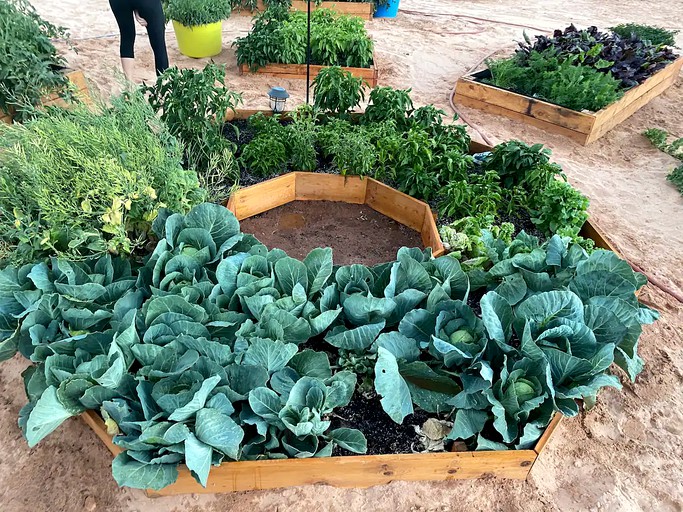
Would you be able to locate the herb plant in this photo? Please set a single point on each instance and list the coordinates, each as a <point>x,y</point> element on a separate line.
<point>193,104</point>
<point>29,62</point>
<point>279,36</point>
<point>660,139</point>
<point>194,13</point>
<point>82,182</point>
<point>655,35</point>
<point>336,90</point>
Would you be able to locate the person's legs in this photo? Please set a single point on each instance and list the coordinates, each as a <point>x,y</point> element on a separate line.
<point>123,12</point>
<point>153,13</point>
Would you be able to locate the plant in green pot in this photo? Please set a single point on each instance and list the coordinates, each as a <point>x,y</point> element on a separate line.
<point>197,25</point>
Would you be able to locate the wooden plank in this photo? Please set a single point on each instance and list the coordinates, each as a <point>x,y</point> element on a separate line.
<point>397,205</point>
<point>544,125</point>
<point>355,471</point>
<point>362,10</point>
<point>554,422</point>
<point>264,196</point>
<point>95,422</point>
<point>618,112</point>
<point>538,109</point>
<point>330,187</point>
<point>430,235</point>
<point>298,71</point>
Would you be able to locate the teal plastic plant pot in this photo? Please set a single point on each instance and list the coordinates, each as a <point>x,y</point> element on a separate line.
<point>389,9</point>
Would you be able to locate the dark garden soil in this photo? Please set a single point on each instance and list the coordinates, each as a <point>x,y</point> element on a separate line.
<point>356,233</point>
<point>383,434</point>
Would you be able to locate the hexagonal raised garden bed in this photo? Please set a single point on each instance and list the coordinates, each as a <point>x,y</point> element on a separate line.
<point>358,470</point>
<point>306,186</point>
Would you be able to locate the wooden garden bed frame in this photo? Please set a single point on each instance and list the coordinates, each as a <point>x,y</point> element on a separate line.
<point>362,10</point>
<point>309,186</point>
<point>358,470</point>
<point>77,78</point>
<point>298,71</point>
<point>583,127</point>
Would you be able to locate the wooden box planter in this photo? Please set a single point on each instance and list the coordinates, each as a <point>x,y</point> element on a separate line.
<point>358,470</point>
<point>582,127</point>
<point>298,71</point>
<point>77,78</point>
<point>362,10</point>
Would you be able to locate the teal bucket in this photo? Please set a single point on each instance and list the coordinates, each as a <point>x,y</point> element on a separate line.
<point>387,10</point>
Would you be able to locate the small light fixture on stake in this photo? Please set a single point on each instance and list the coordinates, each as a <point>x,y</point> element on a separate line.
<point>278,97</point>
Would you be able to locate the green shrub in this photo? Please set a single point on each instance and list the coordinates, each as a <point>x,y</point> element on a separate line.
<point>655,35</point>
<point>29,62</point>
<point>193,13</point>
<point>337,91</point>
<point>193,104</point>
<point>300,139</point>
<point>264,156</point>
<point>78,183</point>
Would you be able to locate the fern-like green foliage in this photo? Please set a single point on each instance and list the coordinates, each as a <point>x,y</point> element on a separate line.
<point>655,35</point>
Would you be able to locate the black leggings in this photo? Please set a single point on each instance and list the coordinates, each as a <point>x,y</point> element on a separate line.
<point>153,14</point>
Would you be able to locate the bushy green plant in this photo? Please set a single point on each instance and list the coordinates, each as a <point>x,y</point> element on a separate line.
<point>388,104</point>
<point>655,35</point>
<point>82,182</point>
<point>480,193</point>
<point>518,163</point>
<point>194,13</point>
<point>560,206</point>
<point>353,153</point>
<point>264,156</point>
<point>193,104</point>
<point>300,139</point>
<point>336,90</point>
<point>462,238</point>
<point>29,62</point>
<point>279,36</point>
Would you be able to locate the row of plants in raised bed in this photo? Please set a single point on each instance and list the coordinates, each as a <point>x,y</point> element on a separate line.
<point>279,36</point>
<point>580,83</point>
<point>362,8</point>
<point>199,346</point>
<point>584,69</point>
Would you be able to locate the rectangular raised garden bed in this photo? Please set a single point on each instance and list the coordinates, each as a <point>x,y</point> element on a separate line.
<point>361,470</point>
<point>359,9</point>
<point>298,71</point>
<point>582,127</point>
<point>77,78</point>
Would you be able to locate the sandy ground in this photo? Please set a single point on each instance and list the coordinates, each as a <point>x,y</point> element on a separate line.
<point>627,454</point>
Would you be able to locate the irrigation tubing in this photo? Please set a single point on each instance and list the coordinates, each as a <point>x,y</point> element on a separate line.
<point>466,16</point>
